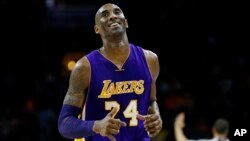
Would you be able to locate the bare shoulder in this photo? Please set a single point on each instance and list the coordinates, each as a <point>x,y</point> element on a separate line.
<point>81,71</point>
<point>153,62</point>
<point>82,64</point>
<point>150,54</point>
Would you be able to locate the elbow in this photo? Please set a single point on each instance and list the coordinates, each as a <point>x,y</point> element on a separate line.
<point>68,123</point>
<point>63,130</point>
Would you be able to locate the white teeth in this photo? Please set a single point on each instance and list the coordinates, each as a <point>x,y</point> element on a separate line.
<point>114,24</point>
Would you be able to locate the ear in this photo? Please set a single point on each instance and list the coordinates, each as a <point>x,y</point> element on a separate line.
<point>126,23</point>
<point>96,29</point>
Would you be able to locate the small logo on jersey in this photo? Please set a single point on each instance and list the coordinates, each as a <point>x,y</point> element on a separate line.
<point>123,87</point>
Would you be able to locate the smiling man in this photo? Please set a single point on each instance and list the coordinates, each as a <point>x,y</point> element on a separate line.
<point>113,88</point>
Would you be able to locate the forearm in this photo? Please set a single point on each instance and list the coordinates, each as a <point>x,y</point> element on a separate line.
<point>70,126</point>
<point>179,134</point>
<point>154,108</point>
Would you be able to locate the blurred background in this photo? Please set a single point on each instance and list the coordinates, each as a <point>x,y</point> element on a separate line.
<point>202,47</point>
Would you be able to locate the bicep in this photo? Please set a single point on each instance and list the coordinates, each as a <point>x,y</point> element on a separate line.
<point>78,83</point>
<point>153,91</point>
<point>154,68</point>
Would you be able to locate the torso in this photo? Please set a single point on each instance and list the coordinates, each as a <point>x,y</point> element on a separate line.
<point>127,88</point>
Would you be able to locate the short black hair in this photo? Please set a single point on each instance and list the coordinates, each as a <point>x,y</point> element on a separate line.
<point>221,125</point>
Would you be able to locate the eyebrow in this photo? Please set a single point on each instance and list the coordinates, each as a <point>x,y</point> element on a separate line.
<point>115,9</point>
<point>104,11</point>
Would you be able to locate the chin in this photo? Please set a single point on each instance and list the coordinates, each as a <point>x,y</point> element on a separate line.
<point>117,31</point>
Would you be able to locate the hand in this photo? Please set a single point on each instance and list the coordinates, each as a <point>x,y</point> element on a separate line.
<point>152,123</point>
<point>108,126</point>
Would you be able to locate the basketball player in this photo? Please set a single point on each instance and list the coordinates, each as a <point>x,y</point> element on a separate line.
<point>219,130</point>
<point>114,87</point>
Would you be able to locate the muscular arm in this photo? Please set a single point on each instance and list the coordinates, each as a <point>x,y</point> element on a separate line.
<point>153,64</point>
<point>154,123</point>
<point>78,83</point>
<point>68,124</point>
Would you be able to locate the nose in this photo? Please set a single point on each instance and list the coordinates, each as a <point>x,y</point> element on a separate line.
<point>112,16</point>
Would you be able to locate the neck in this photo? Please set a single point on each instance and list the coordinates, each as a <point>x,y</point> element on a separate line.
<point>116,50</point>
<point>115,41</point>
<point>112,49</point>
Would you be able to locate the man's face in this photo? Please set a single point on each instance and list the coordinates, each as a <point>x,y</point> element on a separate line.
<point>110,20</point>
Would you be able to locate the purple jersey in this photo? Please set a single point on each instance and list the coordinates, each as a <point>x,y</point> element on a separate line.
<point>128,89</point>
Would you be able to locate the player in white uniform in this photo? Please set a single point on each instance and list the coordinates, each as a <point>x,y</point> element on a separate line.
<point>219,130</point>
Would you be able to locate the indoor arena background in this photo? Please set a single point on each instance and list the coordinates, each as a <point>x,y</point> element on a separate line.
<point>202,47</point>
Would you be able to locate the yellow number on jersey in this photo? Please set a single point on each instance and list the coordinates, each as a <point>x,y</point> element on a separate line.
<point>110,104</point>
<point>81,139</point>
<point>130,111</point>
